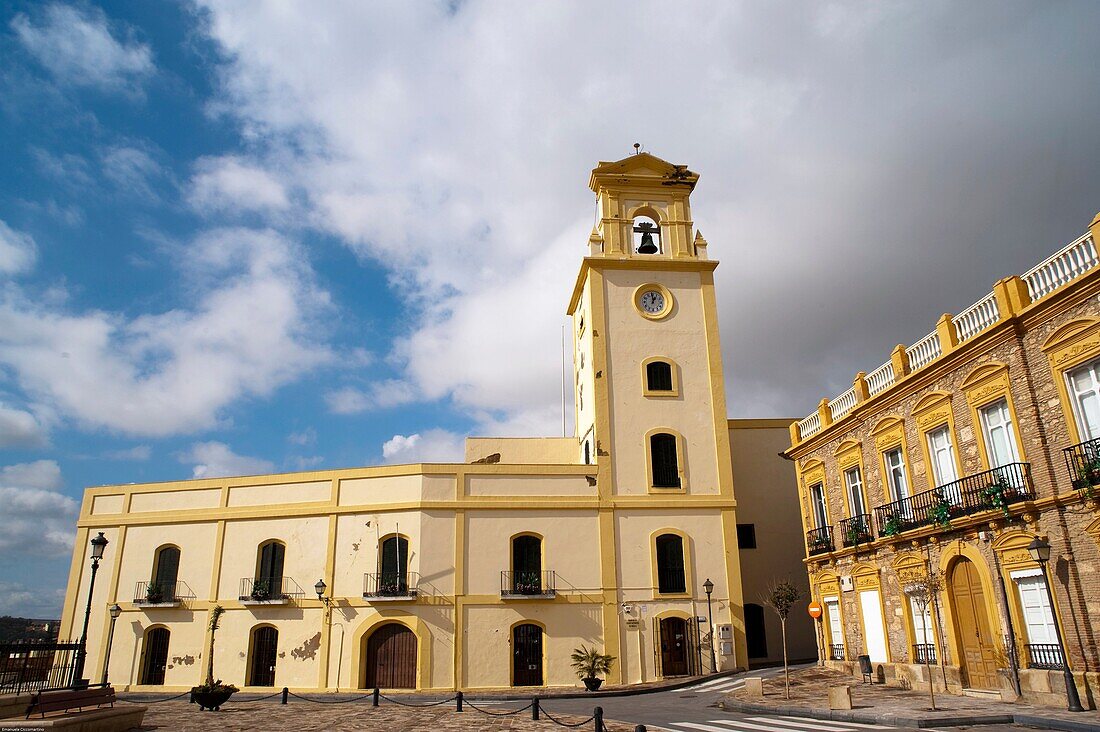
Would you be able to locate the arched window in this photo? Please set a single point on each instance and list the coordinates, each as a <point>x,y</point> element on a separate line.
<point>664,463</point>
<point>269,570</point>
<point>166,565</point>
<point>658,376</point>
<point>671,577</point>
<point>526,565</point>
<point>394,561</point>
<point>263,647</point>
<point>755,631</point>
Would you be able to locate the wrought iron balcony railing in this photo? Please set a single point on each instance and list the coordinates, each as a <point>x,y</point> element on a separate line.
<point>836,652</point>
<point>924,653</point>
<point>1083,462</point>
<point>391,586</point>
<point>528,584</point>
<point>32,666</point>
<point>1045,655</point>
<point>856,530</point>
<point>991,489</point>
<point>160,593</point>
<point>269,589</point>
<point>820,541</point>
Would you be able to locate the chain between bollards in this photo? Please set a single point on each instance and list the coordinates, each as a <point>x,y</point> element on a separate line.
<point>374,699</point>
<point>286,693</point>
<point>535,709</point>
<point>458,702</point>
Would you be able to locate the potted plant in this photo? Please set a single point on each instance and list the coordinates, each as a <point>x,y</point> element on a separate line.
<point>153,593</point>
<point>892,525</point>
<point>857,533</point>
<point>261,590</point>
<point>212,694</point>
<point>940,513</point>
<point>995,494</point>
<point>1088,475</point>
<point>590,664</point>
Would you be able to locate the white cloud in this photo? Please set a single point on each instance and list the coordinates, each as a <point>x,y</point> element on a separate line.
<point>175,371</point>
<point>230,183</point>
<point>20,429</point>
<point>380,395</point>
<point>78,47</point>
<point>17,251</point>
<point>215,459</point>
<point>302,438</point>
<point>21,601</point>
<point>133,170</point>
<point>431,446</point>
<point>37,519</point>
<point>137,453</point>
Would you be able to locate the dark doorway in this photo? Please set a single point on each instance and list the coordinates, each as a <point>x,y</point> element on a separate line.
<point>527,655</point>
<point>390,658</point>
<point>527,565</point>
<point>671,578</point>
<point>270,576</point>
<point>755,631</point>
<point>167,569</point>
<point>265,644</point>
<point>156,657</point>
<point>395,564</point>
<point>674,647</point>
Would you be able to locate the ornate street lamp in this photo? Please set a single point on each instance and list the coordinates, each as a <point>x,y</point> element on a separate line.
<point>320,588</point>
<point>708,587</point>
<point>115,611</point>
<point>99,543</point>
<point>1040,552</point>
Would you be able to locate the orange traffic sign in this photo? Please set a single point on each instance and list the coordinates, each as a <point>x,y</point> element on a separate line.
<point>815,610</point>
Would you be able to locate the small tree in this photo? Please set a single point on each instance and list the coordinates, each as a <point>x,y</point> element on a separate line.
<point>590,663</point>
<point>781,597</point>
<point>923,590</point>
<point>215,619</point>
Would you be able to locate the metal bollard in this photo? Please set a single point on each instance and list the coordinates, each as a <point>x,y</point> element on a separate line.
<point>597,715</point>
<point>458,698</point>
<point>535,709</point>
<point>374,699</point>
<point>639,728</point>
<point>286,693</point>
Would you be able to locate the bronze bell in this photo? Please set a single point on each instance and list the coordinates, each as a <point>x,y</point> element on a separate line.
<point>647,245</point>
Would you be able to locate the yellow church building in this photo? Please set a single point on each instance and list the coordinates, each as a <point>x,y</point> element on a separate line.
<point>487,573</point>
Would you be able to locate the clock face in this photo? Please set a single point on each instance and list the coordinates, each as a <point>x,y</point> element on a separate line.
<point>652,302</point>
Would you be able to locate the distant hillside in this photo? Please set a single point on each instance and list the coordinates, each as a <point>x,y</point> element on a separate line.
<point>19,629</point>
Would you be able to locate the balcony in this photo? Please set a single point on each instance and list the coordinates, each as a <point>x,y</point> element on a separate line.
<point>161,594</point>
<point>924,653</point>
<point>1045,656</point>
<point>836,652</point>
<point>390,586</point>
<point>856,530</point>
<point>527,585</point>
<point>986,491</point>
<point>820,541</point>
<point>269,590</point>
<point>1083,462</point>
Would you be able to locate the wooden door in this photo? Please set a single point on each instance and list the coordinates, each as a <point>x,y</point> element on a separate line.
<point>265,645</point>
<point>674,647</point>
<point>390,658</point>
<point>972,629</point>
<point>527,655</point>
<point>527,565</point>
<point>156,657</point>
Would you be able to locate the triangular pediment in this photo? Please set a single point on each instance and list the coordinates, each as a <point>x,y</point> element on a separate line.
<point>642,168</point>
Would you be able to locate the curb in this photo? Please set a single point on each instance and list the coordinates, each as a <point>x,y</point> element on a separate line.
<point>694,680</point>
<point>893,720</point>
<point>1068,725</point>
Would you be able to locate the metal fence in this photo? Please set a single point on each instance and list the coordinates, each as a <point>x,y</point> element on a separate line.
<point>924,653</point>
<point>820,541</point>
<point>528,584</point>
<point>1045,656</point>
<point>269,589</point>
<point>836,652</point>
<point>36,666</point>
<point>1083,463</point>
<point>856,530</point>
<point>390,584</point>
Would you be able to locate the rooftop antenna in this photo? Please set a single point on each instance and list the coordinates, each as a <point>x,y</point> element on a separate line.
<point>637,147</point>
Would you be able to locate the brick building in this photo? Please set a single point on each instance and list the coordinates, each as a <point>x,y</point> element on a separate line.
<point>947,461</point>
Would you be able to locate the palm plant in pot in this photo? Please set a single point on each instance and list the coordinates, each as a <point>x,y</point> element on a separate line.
<point>212,694</point>
<point>590,664</point>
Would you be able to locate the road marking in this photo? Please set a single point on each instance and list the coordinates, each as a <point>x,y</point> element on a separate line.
<point>704,727</point>
<point>714,682</point>
<point>741,724</point>
<point>725,684</point>
<point>803,720</point>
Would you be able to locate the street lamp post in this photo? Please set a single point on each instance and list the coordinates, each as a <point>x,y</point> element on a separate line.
<point>1040,552</point>
<point>99,543</point>
<point>115,611</point>
<point>708,587</point>
<point>320,588</point>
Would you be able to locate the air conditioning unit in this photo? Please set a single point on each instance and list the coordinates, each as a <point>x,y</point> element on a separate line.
<point>846,583</point>
<point>725,632</point>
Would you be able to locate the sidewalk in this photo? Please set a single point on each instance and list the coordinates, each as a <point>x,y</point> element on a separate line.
<point>880,704</point>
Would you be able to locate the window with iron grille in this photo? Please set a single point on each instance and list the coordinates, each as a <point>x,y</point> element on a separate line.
<point>662,451</point>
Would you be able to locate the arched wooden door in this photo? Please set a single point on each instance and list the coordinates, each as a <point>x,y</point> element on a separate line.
<point>389,659</point>
<point>527,655</point>
<point>674,647</point>
<point>265,645</point>
<point>155,659</point>
<point>977,647</point>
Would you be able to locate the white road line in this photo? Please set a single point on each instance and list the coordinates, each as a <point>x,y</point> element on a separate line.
<point>741,724</point>
<point>842,724</point>
<point>805,724</point>
<point>714,682</point>
<point>713,689</point>
<point>704,727</point>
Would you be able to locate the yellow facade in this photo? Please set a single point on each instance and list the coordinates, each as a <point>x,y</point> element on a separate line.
<point>600,515</point>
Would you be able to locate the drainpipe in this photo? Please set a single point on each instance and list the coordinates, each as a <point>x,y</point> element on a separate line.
<point>1013,664</point>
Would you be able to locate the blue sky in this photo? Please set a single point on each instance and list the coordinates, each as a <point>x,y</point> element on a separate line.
<point>240,237</point>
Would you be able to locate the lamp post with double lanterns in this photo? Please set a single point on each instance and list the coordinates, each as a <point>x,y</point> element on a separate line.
<point>1039,549</point>
<point>115,611</point>
<point>99,543</point>
<point>708,587</point>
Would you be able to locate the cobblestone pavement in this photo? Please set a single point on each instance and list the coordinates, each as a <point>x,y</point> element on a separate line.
<point>299,716</point>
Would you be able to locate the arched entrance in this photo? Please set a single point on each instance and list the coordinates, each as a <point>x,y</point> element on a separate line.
<point>674,647</point>
<point>977,648</point>
<point>389,658</point>
<point>155,656</point>
<point>264,646</point>
<point>527,655</point>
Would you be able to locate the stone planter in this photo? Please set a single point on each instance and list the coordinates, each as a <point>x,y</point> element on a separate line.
<point>211,699</point>
<point>592,683</point>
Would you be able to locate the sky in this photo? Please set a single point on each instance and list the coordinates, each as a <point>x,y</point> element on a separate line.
<point>241,237</point>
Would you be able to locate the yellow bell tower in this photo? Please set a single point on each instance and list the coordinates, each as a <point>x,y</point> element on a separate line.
<point>649,387</point>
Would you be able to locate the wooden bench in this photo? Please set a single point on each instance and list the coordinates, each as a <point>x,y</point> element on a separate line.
<point>66,699</point>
